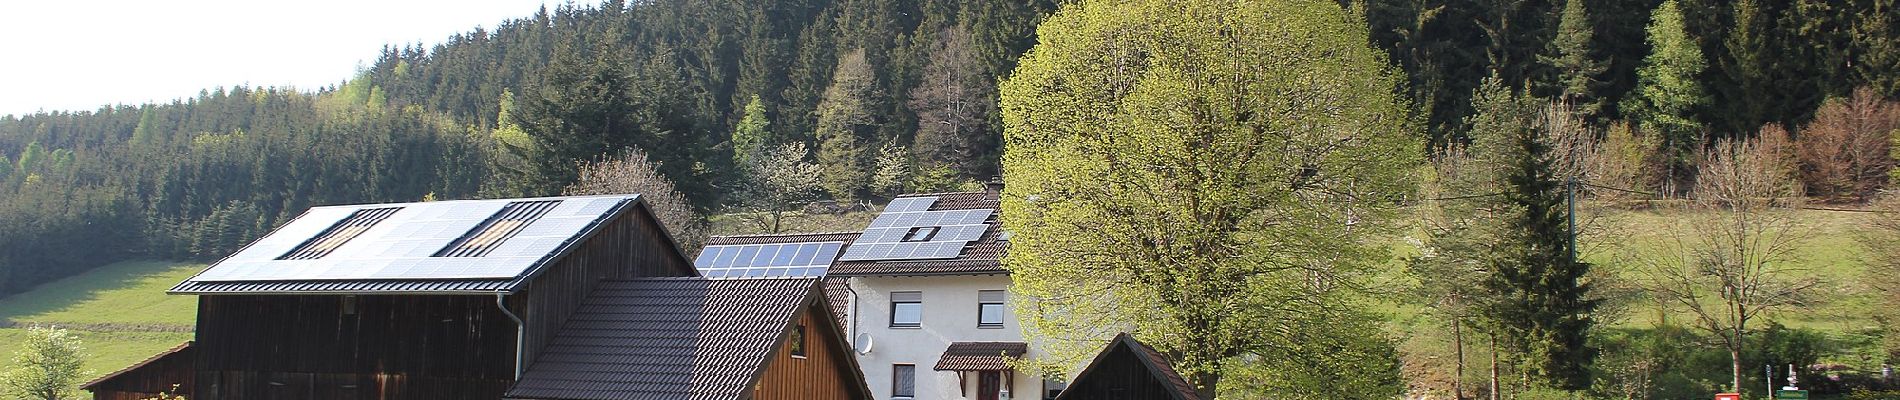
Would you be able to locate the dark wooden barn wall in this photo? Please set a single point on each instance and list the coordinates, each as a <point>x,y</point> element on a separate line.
<point>629,247</point>
<point>1119,376</point>
<point>148,380</point>
<point>390,347</point>
<point>822,375</point>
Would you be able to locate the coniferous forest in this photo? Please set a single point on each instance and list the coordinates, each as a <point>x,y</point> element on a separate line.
<point>698,84</point>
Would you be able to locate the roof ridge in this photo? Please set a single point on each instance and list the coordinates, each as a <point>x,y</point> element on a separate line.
<point>760,235</point>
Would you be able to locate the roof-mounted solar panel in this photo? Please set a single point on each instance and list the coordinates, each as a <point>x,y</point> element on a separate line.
<point>488,236</point>
<point>350,227</point>
<point>807,259</point>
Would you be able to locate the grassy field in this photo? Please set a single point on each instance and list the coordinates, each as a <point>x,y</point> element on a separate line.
<point>120,311</point>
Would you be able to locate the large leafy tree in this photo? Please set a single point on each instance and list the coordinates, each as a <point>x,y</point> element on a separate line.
<point>1204,173</point>
<point>47,366</point>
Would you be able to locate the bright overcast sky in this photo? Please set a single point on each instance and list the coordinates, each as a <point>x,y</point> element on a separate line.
<point>79,55</point>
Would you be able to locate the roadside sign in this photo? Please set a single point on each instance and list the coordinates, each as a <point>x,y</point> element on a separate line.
<point>1791,395</point>
<point>1728,396</point>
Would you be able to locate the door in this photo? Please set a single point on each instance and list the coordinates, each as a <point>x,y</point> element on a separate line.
<point>988,385</point>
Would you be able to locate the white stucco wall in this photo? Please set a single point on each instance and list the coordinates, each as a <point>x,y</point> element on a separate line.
<point>949,315</point>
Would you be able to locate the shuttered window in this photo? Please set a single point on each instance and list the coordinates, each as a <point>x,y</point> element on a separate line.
<point>907,309</point>
<point>989,308</point>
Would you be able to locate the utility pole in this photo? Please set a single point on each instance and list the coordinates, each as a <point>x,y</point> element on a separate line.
<point>1570,186</point>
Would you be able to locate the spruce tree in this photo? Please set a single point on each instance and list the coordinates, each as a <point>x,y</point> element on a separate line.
<point>1668,92</point>
<point>1574,69</point>
<point>1539,294</point>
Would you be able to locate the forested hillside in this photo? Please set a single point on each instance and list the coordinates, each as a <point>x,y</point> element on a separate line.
<point>508,112</point>
<point>888,95</point>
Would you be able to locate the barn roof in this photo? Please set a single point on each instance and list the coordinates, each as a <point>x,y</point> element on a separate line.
<point>674,338</point>
<point>1156,364</point>
<point>442,247</point>
<point>981,256</point>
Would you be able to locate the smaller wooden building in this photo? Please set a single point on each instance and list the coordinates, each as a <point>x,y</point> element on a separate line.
<point>697,338</point>
<point>1129,370</point>
<point>169,372</point>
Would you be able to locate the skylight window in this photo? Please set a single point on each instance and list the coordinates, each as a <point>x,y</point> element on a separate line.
<point>497,229</point>
<point>338,234</point>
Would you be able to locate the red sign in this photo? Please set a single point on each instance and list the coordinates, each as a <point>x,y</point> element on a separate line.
<point>1728,396</point>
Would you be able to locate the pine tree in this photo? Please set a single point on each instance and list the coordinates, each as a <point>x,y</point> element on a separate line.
<point>1575,69</point>
<point>1669,92</point>
<point>843,118</point>
<point>1877,54</point>
<point>953,104</point>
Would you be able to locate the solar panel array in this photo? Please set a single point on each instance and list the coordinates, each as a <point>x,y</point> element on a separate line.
<point>338,234</point>
<point>907,231</point>
<point>777,260</point>
<point>405,245</point>
<point>503,225</point>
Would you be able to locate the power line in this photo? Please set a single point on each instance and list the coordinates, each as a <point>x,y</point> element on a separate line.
<point>1466,197</point>
<point>1618,189</point>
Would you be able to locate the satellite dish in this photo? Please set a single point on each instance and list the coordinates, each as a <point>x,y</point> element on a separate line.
<point>864,343</point>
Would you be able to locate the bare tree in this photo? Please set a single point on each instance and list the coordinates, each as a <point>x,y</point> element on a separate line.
<point>629,172</point>
<point>1883,249</point>
<point>1844,152</point>
<point>779,182</point>
<point>953,104</point>
<point>1736,258</point>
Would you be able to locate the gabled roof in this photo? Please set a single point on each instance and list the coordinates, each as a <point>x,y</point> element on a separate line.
<point>979,257</point>
<point>1156,364</point>
<point>443,247</point>
<point>180,348</point>
<point>980,356</point>
<point>670,338</point>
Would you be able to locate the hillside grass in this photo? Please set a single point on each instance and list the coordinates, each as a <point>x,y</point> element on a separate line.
<point>119,311</point>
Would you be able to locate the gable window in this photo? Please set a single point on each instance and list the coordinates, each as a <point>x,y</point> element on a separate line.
<point>907,309</point>
<point>798,341</point>
<point>504,224</point>
<point>903,381</point>
<point>336,235</point>
<point>989,308</point>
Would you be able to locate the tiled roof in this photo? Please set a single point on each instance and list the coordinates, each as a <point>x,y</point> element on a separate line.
<point>982,257</point>
<point>980,356</point>
<point>666,338</point>
<point>181,347</point>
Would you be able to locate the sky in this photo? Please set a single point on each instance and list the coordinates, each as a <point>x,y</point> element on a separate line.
<point>81,55</point>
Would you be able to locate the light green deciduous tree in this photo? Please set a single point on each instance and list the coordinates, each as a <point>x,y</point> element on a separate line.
<point>46,367</point>
<point>1204,174</point>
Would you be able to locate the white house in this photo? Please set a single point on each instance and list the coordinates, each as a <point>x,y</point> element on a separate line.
<point>922,293</point>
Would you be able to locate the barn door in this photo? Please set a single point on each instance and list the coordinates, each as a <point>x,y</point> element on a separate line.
<point>988,384</point>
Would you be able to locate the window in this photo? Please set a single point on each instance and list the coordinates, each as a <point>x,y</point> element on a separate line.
<point>504,224</point>
<point>1051,388</point>
<point>798,341</point>
<point>336,235</point>
<point>920,234</point>
<point>907,309</point>
<point>903,381</point>
<point>989,308</point>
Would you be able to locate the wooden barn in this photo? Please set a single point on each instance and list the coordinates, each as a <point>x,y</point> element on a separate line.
<point>1128,370</point>
<point>431,300</point>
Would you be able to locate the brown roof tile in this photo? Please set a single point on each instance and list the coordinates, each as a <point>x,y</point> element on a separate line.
<point>674,338</point>
<point>980,356</point>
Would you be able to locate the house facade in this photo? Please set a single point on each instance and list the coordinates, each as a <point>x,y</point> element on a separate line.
<point>923,295</point>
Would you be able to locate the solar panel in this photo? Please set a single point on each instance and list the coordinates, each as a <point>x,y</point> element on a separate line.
<point>808,259</point>
<point>908,204</point>
<point>401,246</point>
<point>918,235</point>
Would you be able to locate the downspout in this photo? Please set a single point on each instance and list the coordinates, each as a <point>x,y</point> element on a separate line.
<point>854,315</point>
<point>521,330</point>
